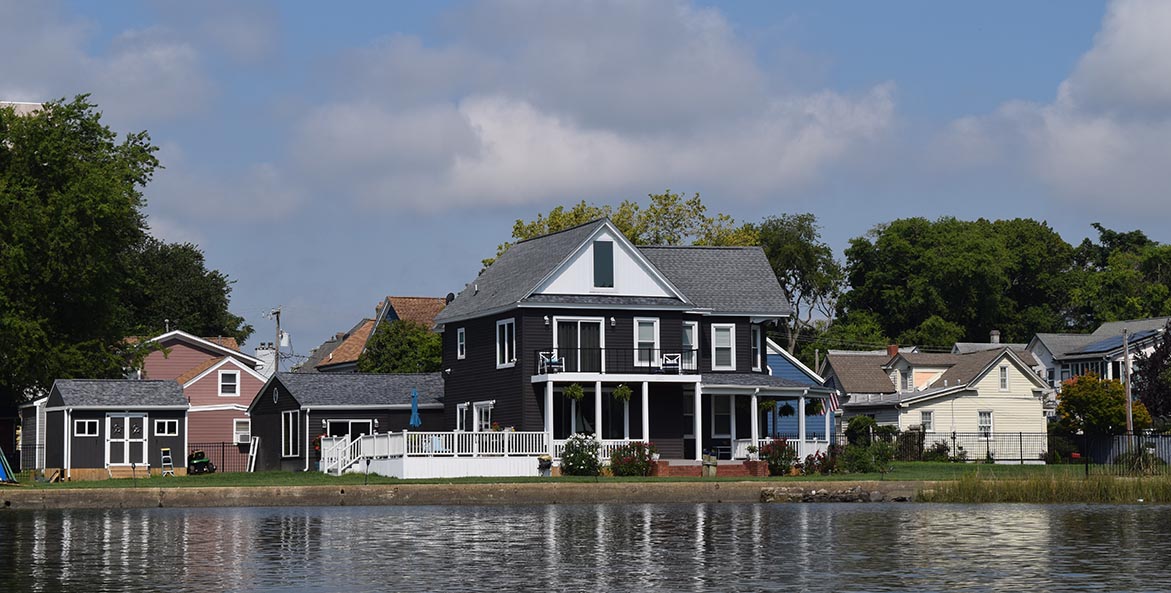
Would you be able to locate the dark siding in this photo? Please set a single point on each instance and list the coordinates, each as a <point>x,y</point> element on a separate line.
<point>176,443</point>
<point>88,452</point>
<point>55,439</point>
<point>743,344</point>
<point>388,421</point>
<point>666,422</point>
<point>476,377</point>
<point>266,424</point>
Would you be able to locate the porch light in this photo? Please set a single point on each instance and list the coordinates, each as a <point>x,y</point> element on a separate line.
<point>375,423</point>
<point>324,424</point>
<point>546,321</point>
<point>613,322</point>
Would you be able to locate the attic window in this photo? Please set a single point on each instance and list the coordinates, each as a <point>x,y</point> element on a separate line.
<point>603,264</point>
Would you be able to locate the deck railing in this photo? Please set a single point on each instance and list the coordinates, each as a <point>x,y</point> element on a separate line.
<point>642,361</point>
<point>604,451</point>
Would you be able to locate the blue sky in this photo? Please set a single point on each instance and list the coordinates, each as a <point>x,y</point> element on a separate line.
<point>325,158</point>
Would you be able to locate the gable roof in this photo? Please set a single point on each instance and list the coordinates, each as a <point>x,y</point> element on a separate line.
<point>317,390</point>
<point>416,309</point>
<point>967,347</point>
<point>351,347</point>
<point>925,359</point>
<point>219,345</point>
<point>723,279</point>
<point>720,279</point>
<point>1111,328</point>
<point>966,370</point>
<point>186,379</point>
<point>118,393</point>
<point>860,373</point>
<point>1061,344</point>
<point>773,348</point>
<point>1112,343</point>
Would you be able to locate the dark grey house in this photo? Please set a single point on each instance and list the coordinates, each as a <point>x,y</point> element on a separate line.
<point>293,409</point>
<point>679,328</point>
<point>96,428</point>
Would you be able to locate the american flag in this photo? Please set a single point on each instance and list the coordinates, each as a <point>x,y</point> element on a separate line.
<point>833,401</point>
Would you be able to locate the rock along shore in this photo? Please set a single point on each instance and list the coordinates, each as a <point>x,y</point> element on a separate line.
<point>460,494</point>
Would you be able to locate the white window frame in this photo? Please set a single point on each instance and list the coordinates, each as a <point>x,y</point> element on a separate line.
<point>236,432</point>
<point>461,344</point>
<point>461,416</point>
<point>927,420</point>
<point>601,321</point>
<point>756,333</point>
<point>655,348</point>
<point>910,380</point>
<point>594,268</point>
<point>482,415</point>
<point>290,443</point>
<point>82,428</point>
<point>220,386</point>
<point>731,416</point>
<point>1004,377</point>
<point>731,327</point>
<point>505,348</point>
<point>692,352</point>
<point>164,422</point>
<point>984,434</point>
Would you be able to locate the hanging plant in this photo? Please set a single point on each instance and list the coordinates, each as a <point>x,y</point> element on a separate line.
<point>573,391</point>
<point>787,410</point>
<point>767,405</point>
<point>813,408</point>
<point>622,392</point>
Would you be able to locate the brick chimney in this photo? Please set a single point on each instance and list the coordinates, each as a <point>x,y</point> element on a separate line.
<point>892,350</point>
<point>994,336</point>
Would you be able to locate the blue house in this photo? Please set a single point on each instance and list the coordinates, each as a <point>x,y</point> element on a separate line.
<point>817,422</point>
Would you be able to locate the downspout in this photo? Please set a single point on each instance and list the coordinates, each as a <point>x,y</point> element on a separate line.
<point>68,442</point>
<point>307,410</point>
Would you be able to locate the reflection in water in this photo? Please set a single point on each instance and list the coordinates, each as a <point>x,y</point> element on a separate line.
<point>598,548</point>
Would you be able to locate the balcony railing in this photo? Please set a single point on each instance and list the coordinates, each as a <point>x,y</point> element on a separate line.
<point>617,361</point>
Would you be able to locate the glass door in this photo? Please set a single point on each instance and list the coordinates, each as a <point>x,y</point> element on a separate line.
<point>579,344</point>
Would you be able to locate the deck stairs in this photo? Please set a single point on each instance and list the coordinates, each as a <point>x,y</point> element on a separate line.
<point>341,456</point>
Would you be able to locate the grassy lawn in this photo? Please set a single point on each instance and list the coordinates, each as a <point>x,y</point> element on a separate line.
<point>903,471</point>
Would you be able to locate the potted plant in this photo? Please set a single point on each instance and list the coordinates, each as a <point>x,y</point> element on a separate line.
<point>752,453</point>
<point>767,405</point>
<point>573,391</point>
<point>813,408</point>
<point>653,450</point>
<point>787,410</point>
<point>622,392</point>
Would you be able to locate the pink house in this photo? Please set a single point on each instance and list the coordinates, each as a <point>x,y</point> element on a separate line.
<point>218,380</point>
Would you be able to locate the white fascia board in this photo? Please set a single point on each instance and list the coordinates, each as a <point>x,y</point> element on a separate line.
<point>774,347</point>
<point>373,407</point>
<point>218,408</point>
<point>186,337</point>
<point>117,409</point>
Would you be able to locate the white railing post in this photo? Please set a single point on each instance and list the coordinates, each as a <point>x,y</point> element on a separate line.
<point>406,444</point>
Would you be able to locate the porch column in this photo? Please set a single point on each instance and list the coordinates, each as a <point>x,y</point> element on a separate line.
<point>698,417</point>
<point>626,420</point>
<point>801,425</point>
<point>828,419</point>
<point>646,417</point>
<point>598,410</point>
<point>755,416</point>
<point>549,416</point>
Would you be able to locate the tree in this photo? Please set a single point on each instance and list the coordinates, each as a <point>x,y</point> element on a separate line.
<point>935,333</point>
<point>402,346</point>
<point>70,218</point>
<point>1095,406</point>
<point>805,267</point>
<point>859,330</point>
<point>1151,380</point>
<point>172,282</point>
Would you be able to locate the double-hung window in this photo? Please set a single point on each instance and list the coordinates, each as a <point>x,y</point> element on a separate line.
<point>461,344</point>
<point>910,378</point>
<point>690,345</point>
<point>505,343</point>
<point>1004,378</point>
<point>290,433</point>
<point>927,421</point>
<point>756,363</point>
<point>646,341</point>
<point>229,383</point>
<point>984,424</point>
<point>723,347</point>
<point>166,428</point>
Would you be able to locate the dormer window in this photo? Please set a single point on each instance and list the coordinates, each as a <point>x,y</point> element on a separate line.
<point>603,264</point>
<point>910,381</point>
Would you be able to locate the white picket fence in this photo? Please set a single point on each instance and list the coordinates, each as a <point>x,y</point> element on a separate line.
<point>338,454</point>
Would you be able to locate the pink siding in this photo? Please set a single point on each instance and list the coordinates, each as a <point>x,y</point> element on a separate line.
<point>211,427</point>
<point>182,358</point>
<point>206,391</point>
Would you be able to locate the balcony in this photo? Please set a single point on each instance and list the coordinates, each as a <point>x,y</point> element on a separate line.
<point>614,361</point>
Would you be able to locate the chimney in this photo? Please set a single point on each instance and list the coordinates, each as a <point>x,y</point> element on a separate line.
<point>994,336</point>
<point>267,355</point>
<point>892,350</point>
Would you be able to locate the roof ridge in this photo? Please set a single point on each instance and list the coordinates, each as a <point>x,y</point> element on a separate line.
<point>564,230</point>
<point>712,247</point>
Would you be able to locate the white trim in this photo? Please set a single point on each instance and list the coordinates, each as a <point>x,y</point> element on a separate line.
<point>125,416</point>
<point>656,350</point>
<point>123,409</point>
<point>601,321</point>
<point>186,337</point>
<point>221,363</point>
<point>507,348</point>
<point>773,348</point>
<point>164,422</point>
<point>616,378</point>
<point>755,333</point>
<point>236,433</point>
<point>1002,378</point>
<point>349,422</point>
<point>373,407</point>
<point>218,408</point>
<point>220,383</point>
<point>929,414</point>
<point>461,344</point>
<point>290,447</point>
<point>991,424</point>
<point>97,431</point>
<point>483,407</point>
<point>731,346</point>
<point>694,350</point>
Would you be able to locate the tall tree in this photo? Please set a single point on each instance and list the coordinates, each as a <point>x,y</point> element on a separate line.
<point>805,267</point>
<point>1097,406</point>
<point>1151,383</point>
<point>172,283</point>
<point>402,346</point>
<point>70,218</point>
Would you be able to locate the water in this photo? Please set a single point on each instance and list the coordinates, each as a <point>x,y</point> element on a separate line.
<point>828,547</point>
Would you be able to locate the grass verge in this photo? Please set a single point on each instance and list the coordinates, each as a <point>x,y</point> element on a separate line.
<point>1051,489</point>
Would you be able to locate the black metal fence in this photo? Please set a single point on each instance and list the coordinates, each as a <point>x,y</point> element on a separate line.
<point>227,457</point>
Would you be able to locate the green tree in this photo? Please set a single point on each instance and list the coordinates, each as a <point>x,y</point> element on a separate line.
<point>70,219</point>
<point>402,346</point>
<point>172,282</point>
<point>1151,383</point>
<point>934,333</point>
<point>805,267</point>
<point>859,330</point>
<point>1095,406</point>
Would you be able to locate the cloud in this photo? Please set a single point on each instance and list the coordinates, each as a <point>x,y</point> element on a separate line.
<point>1106,135</point>
<point>579,99</point>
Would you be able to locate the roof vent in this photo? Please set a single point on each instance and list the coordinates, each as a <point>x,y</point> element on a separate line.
<point>476,288</point>
<point>450,297</point>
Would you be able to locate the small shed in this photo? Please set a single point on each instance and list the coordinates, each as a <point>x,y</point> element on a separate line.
<point>102,428</point>
<point>293,410</point>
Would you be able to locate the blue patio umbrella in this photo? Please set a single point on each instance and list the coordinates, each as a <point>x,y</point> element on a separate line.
<point>416,421</point>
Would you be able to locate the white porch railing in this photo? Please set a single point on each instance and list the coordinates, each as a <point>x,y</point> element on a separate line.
<point>604,452</point>
<point>809,447</point>
<point>340,453</point>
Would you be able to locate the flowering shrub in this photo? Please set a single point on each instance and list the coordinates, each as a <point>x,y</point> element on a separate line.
<point>819,463</point>
<point>779,455</point>
<point>633,459</point>
<point>580,457</point>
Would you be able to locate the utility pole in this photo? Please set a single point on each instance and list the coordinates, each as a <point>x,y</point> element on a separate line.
<point>276,345</point>
<point>1126,378</point>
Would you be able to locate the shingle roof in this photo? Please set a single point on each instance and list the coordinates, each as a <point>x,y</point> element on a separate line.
<point>966,347</point>
<point>516,272</point>
<point>1061,344</point>
<point>227,342</point>
<point>350,348</point>
<point>320,353</point>
<point>751,380</point>
<point>119,393</point>
<point>861,373</point>
<point>724,279</point>
<point>417,309</point>
<point>194,372</point>
<point>604,300</point>
<point>361,389</point>
<point>1111,328</point>
<point>1112,343</point>
<point>930,359</point>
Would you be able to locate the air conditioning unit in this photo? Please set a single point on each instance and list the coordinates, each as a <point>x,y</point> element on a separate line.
<point>243,439</point>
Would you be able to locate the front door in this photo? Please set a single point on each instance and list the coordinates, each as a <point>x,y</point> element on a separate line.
<point>126,442</point>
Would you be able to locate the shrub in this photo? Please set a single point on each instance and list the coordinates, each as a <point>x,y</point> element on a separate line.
<point>859,429</point>
<point>580,457</point>
<point>780,456</point>
<point>909,445</point>
<point>875,458</point>
<point>818,463</point>
<point>633,459</point>
<point>1140,461</point>
<point>938,451</point>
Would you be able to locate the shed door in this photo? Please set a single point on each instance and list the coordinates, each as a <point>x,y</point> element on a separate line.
<point>127,441</point>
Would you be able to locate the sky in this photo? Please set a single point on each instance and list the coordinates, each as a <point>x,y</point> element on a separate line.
<point>324,157</point>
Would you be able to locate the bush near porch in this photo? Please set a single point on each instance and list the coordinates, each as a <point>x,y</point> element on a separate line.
<point>633,459</point>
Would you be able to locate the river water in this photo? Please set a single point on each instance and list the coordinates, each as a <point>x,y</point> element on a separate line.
<point>781,547</point>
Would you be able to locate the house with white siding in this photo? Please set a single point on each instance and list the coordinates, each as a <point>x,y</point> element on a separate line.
<point>1065,356</point>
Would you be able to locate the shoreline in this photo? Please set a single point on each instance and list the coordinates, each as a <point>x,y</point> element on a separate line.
<point>16,499</point>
